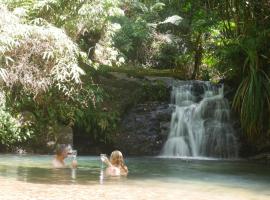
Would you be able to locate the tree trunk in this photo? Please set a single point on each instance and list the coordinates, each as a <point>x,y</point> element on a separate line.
<point>197,56</point>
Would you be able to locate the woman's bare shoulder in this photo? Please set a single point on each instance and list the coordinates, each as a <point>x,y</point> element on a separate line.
<point>57,164</point>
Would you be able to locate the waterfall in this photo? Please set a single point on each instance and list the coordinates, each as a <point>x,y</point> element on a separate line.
<point>200,123</point>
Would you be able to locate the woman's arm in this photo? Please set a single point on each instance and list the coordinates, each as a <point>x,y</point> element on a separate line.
<point>74,164</point>
<point>124,170</point>
<point>106,161</point>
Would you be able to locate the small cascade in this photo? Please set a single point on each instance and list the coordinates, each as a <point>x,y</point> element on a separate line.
<point>200,123</point>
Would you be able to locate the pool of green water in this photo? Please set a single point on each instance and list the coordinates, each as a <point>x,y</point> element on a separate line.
<point>241,174</point>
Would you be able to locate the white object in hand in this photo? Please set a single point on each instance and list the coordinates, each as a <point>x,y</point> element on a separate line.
<point>74,154</point>
<point>103,157</point>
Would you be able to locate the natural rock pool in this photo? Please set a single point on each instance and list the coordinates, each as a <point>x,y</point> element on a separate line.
<point>31,177</point>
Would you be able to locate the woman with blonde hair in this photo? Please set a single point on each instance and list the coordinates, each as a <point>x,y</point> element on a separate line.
<point>116,164</point>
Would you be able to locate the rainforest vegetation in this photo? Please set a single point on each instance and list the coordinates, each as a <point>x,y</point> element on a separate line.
<point>53,51</point>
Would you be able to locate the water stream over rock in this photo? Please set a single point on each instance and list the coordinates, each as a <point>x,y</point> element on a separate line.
<point>200,123</point>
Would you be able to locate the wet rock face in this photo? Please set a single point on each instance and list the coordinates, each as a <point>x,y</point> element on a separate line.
<point>144,129</point>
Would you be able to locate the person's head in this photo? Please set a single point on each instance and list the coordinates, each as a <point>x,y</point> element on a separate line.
<point>117,158</point>
<point>62,151</point>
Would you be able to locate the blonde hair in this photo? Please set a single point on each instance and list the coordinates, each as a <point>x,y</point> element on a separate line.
<point>117,159</point>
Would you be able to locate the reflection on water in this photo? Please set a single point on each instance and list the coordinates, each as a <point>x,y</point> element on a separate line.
<point>237,174</point>
<point>73,173</point>
<point>101,177</point>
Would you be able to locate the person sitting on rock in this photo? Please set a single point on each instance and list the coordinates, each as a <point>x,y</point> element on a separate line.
<point>116,165</point>
<point>62,153</point>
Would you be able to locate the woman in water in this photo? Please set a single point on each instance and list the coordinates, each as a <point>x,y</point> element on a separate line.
<point>116,165</point>
<point>61,154</point>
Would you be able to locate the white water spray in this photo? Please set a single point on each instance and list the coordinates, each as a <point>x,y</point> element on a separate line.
<point>200,123</point>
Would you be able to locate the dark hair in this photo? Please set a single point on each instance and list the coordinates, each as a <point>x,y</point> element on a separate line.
<point>60,148</point>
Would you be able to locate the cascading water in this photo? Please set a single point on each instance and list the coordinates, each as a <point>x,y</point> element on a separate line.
<point>200,123</point>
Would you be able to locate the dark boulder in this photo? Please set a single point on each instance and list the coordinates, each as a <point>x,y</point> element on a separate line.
<point>144,129</point>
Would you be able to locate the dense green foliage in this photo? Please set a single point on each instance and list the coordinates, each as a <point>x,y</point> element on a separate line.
<point>13,129</point>
<point>40,73</point>
<point>50,48</point>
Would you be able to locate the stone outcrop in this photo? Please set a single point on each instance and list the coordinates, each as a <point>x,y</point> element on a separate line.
<point>144,129</point>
